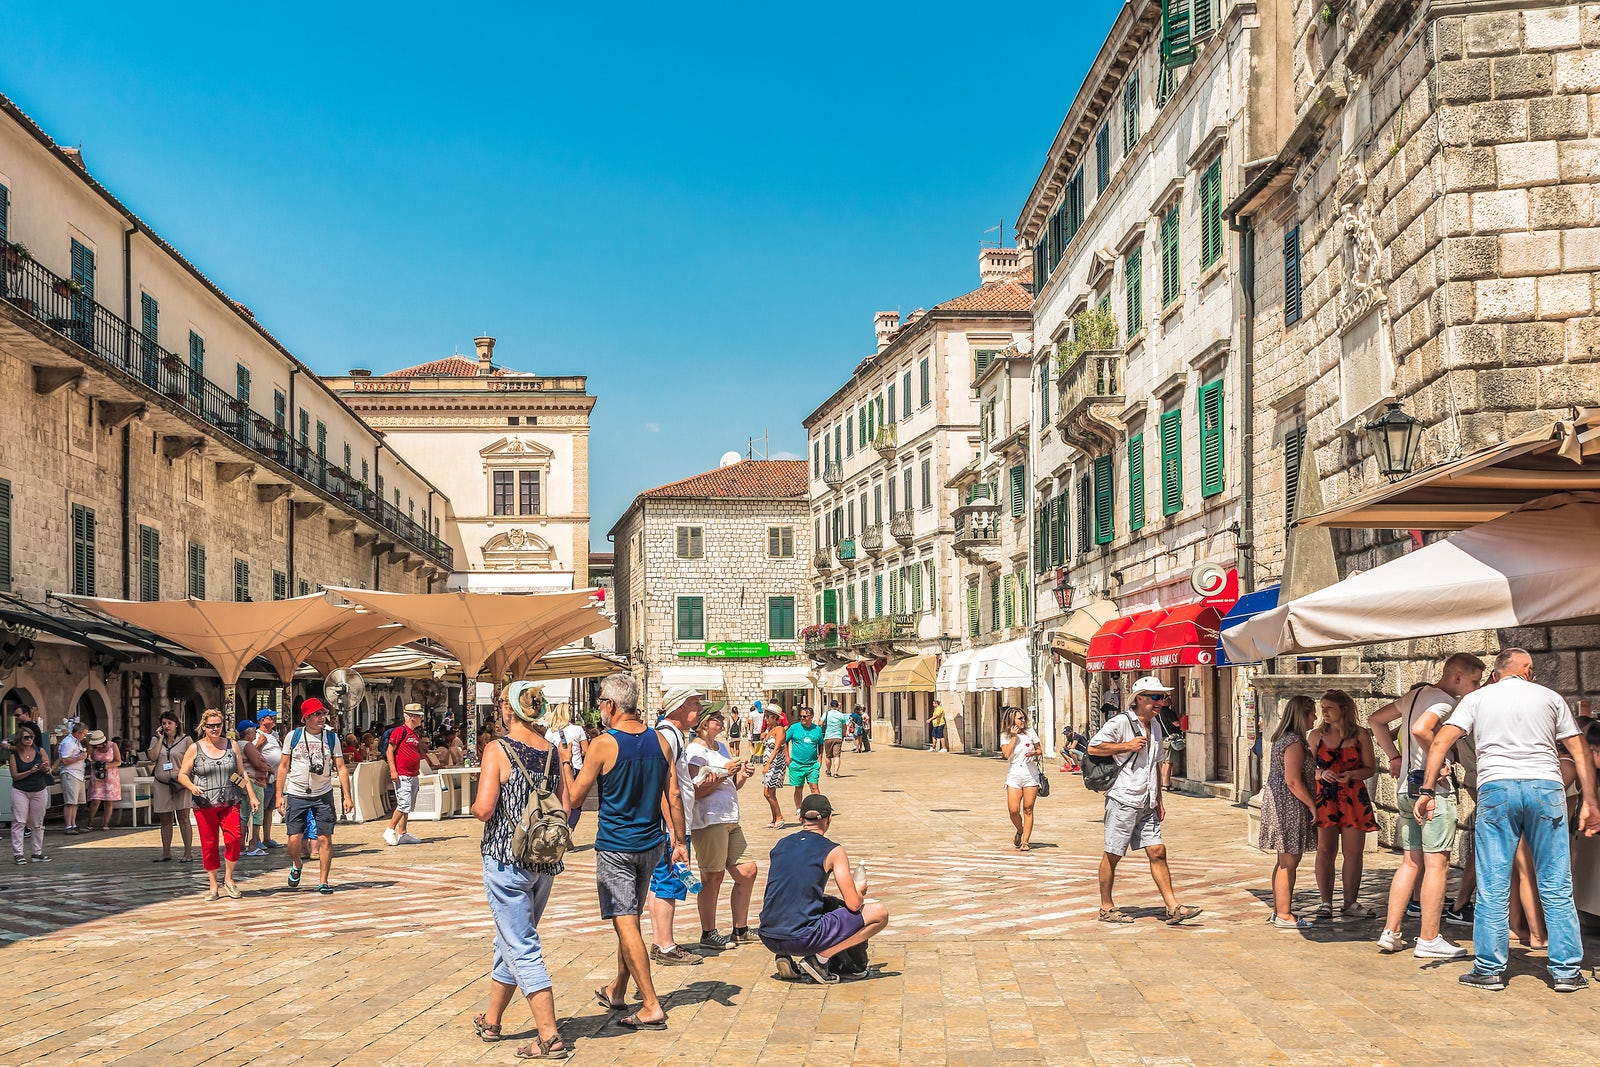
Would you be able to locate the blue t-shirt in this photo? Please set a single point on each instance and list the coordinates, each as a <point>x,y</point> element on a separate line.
<point>805,742</point>
<point>833,724</point>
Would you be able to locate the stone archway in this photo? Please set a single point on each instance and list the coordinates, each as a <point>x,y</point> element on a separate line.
<point>18,696</point>
<point>90,709</point>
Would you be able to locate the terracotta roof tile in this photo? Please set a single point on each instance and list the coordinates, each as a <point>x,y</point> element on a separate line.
<point>449,367</point>
<point>757,479</point>
<point>1010,294</point>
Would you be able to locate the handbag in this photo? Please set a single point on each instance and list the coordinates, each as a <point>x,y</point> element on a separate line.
<point>1044,784</point>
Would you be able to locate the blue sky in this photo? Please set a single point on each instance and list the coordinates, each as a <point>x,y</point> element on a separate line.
<point>698,207</point>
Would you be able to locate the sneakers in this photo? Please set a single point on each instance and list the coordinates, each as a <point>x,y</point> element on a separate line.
<point>1438,949</point>
<point>1294,922</point>
<point>1478,980</point>
<point>787,970</point>
<point>1459,916</point>
<point>676,956</point>
<point>743,936</point>
<point>717,942</point>
<point>1571,985</point>
<point>22,861</point>
<point>816,970</point>
<point>41,858</point>
<point>389,837</point>
<point>1392,941</point>
<point>407,839</point>
<point>1413,910</point>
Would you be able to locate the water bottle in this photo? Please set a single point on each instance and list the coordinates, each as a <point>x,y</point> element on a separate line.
<point>860,876</point>
<point>685,873</point>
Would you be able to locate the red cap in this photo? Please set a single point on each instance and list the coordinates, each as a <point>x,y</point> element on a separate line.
<point>310,706</point>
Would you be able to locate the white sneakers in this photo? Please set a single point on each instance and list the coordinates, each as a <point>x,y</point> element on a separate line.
<point>1392,941</point>
<point>1438,949</point>
<point>407,839</point>
<point>389,837</point>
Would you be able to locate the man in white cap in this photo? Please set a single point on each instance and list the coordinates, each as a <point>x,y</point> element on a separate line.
<point>404,754</point>
<point>681,708</point>
<point>1134,805</point>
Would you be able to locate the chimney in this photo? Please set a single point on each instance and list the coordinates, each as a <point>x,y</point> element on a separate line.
<point>75,156</point>
<point>998,264</point>
<point>884,324</point>
<point>485,354</point>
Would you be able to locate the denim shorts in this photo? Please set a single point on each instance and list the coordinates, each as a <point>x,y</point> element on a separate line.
<point>321,808</point>
<point>1438,834</point>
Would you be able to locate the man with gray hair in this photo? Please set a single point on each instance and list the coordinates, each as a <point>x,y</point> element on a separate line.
<point>1515,725</point>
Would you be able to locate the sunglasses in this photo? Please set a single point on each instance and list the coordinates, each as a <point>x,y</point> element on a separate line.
<point>212,725</point>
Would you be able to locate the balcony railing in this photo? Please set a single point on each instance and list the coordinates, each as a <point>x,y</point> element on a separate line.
<point>833,474</point>
<point>872,540</point>
<point>1095,377</point>
<point>822,559</point>
<point>883,630</point>
<point>846,549</point>
<point>976,527</point>
<point>824,635</point>
<point>886,440</point>
<point>902,527</point>
<point>111,342</point>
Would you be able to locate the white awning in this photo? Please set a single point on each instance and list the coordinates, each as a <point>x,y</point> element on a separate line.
<point>1002,666</point>
<point>789,677</point>
<point>699,677</point>
<point>953,670</point>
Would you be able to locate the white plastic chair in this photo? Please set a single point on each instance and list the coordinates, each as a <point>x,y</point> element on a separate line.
<point>136,798</point>
<point>430,803</point>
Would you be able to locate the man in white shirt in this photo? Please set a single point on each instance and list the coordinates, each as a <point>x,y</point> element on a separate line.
<point>1427,847</point>
<point>1134,805</point>
<point>680,714</point>
<point>1516,726</point>
<point>271,749</point>
<point>71,756</point>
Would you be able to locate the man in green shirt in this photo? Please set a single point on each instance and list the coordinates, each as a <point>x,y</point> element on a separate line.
<point>805,742</point>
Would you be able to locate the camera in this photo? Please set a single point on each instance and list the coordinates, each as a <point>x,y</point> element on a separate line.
<point>318,767</point>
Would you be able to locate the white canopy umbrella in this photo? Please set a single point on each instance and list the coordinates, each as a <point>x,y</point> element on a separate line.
<point>1536,566</point>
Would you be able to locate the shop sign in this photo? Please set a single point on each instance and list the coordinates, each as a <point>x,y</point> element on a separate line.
<point>732,650</point>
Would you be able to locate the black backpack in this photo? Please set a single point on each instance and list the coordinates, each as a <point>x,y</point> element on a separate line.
<point>851,962</point>
<point>1100,773</point>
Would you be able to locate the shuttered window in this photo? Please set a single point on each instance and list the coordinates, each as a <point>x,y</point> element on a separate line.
<point>1171,462</point>
<point>1085,513</point>
<point>5,213</point>
<point>850,602</point>
<point>972,609</point>
<point>1291,277</point>
<point>877,596</point>
<point>83,550</point>
<point>1008,601</point>
<point>1211,214</point>
<point>891,412</point>
<point>83,300</point>
<point>1294,446</point>
<point>994,603</point>
<point>1063,531</point>
<point>927,484</point>
<point>1102,158</point>
<point>916,587</point>
<point>197,363</point>
<point>1130,114</point>
<point>1019,500</point>
<point>1133,282</point>
<point>925,372</point>
<point>149,335</point>
<point>5,509</point>
<point>1136,481</point>
<point>197,571</point>
<point>780,542</point>
<point>1171,279</point>
<point>241,581</point>
<point>691,542</point>
<point>280,586</point>
<point>1105,497</point>
<point>830,605</point>
<point>149,563</point>
<point>1203,19</point>
<point>780,618</point>
<point>1177,36</point>
<point>981,360</point>
<point>1211,467</point>
<point>691,618</point>
<point>905,395</point>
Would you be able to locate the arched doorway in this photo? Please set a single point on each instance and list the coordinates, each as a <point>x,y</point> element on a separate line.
<point>14,699</point>
<point>91,711</point>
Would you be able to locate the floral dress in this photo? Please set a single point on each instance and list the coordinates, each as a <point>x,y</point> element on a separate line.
<point>1343,804</point>
<point>1285,822</point>
<point>108,787</point>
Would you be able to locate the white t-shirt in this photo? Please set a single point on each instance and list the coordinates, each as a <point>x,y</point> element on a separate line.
<point>1515,725</point>
<point>722,804</point>
<point>1429,700</point>
<point>70,747</point>
<point>572,735</point>
<point>306,748</point>
<point>1024,768</point>
<point>755,718</point>
<point>676,739</point>
<point>1138,786</point>
<point>271,750</point>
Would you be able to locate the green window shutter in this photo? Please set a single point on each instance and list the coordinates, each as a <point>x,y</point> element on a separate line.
<point>1136,481</point>
<point>691,618</point>
<point>982,359</point>
<point>972,610</point>
<point>1291,277</point>
<point>149,335</point>
<point>1085,513</point>
<point>5,213</point>
<point>1102,158</point>
<point>916,587</point>
<point>1008,601</point>
<point>1133,280</point>
<point>149,563</point>
<point>1130,114</point>
<point>280,586</point>
<point>1019,501</point>
<point>1211,214</point>
<point>1211,473</point>
<point>83,551</point>
<point>1171,282</point>
<point>830,605</point>
<point>1202,18</point>
<point>780,618</point>
<point>197,571</point>
<point>1171,462</point>
<point>877,596</point>
<point>5,515</point>
<point>1177,41</point>
<point>1063,547</point>
<point>1294,445</point>
<point>994,603</point>
<point>1105,495</point>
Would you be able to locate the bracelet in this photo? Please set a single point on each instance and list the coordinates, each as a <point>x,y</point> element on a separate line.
<point>1425,793</point>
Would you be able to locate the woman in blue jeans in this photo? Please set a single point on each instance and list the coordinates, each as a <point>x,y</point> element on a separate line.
<point>518,895</point>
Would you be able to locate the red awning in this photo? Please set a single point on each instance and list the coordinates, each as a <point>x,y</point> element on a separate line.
<point>1137,640</point>
<point>1186,637</point>
<point>1106,643</point>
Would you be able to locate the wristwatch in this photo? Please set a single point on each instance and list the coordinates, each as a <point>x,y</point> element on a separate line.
<point>1425,792</point>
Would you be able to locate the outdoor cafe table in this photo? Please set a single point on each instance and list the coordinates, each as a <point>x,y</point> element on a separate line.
<point>462,785</point>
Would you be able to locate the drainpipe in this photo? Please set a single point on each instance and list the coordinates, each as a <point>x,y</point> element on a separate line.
<point>1243,226</point>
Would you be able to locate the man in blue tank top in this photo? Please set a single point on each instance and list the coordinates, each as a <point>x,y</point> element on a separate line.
<point>795,922</point>
<point>632,764</point>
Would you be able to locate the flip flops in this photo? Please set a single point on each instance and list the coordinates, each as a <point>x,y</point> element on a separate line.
<point>633,1022</point>
<point>606,1001</point>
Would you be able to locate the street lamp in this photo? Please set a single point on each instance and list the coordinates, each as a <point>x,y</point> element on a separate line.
<point>1395,447</point>
<point>638,657</point>
<point>1062,590</point>
<point>946,643</point>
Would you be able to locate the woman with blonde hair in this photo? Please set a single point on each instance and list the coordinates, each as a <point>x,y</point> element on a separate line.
<point>1342,748</point>
<point>574,741</point>
<point>213,770</point>
<point>1287,808</point>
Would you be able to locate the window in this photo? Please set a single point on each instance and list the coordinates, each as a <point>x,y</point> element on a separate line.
<point>916,587</point>
<point>877,505</point>
<point>933,588</point>
<point>149,334</point>
<point>1085,513</point>
<point>877,596</point>
<point>1102,158</point>
<point>1294,446</point>
<point>1177,38</point>
<point>305,587</point>
<point>1212,480</point>
<point>1074,204</point>
<point>994,602</point>
<point>241,581</point>
<point>691,618</point>
<point>892,483</point>
<point>890,411</point>
<point>1203,22</point>
<point>816,459</point>
<point>305,427</point>
<point>691,542</point>
<point>1136,481</point>
<point>527,492</point>
<point>925,372</point>
<point>197,571</point>
<point>905,395</point>
<point>838,453</point>
<point>347,458</point>
<point>1171,285</point>
<point>1291,277</point>
<point>1211,214</point>
<point>907,482</point>
<point>1133,282</point>
<point>322,441</point>
<point>850,602</point>
<point>780,542</point>
<point>502,493</point>
<point>1044,394</point>
<point>5,213</point>
<point>1130,114</point>
<point>1171,462</point>
<point>5,486</point>
<point>83,301</point>
<point>280,586</point>
<point>1008,601</point>
<point>981,359</point>
<point>780,618</point>
<point>849,438</point>
<point>1166,81</point>
<point>364,472</point>
<point>149,563</point>
<point>972,609</point>
<point>850,517</point>
<point>927,484</point>
<point>83,550</point>
<point>1105,497</point>
<point>863,435</point>
<point>1019,499</point>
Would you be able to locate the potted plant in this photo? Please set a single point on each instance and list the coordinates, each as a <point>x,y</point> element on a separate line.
<point>22,302</point>
<point>172,363</point>
<point>1093,330</point>
<point>237,406</point>
<point>67,288</point>
<point>13,254</point>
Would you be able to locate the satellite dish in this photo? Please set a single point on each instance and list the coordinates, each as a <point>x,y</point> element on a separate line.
<point>343,689</point>
<point>729,459</point>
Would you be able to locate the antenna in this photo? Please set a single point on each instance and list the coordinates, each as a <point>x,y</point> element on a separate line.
<point>766,445</point>
<point>1000,235</point>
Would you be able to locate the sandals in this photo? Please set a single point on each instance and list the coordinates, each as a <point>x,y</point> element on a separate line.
<point>213,895</point>
<point>486,1032</point>
<point>1115,915</point>
<point>540,1049</point>
<point>1182,914</point>
<point>633,1022</point>
<point>1355,910</point>
<point>1016,839</point>
<point>775,824</point>
<point>606,1001</point>
<point>232,890</point>
<point>1325,911</point>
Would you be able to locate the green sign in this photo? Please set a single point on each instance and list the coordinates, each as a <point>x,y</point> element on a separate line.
<point>733,650</point>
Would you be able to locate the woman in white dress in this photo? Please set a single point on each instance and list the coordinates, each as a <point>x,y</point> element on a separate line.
<point>1020,744</point>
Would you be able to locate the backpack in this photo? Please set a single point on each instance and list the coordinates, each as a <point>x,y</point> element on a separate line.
<point>851,962</point>
<point>541,836</point>
<point>1100,773</point>
<point>383,744</point>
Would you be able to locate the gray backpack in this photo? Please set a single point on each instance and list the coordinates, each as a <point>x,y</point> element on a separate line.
<point>541,836</point>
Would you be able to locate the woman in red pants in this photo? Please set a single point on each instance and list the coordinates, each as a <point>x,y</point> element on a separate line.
<point>209,771</point>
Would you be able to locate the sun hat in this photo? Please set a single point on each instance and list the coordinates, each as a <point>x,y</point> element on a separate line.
<point>1149,684</point>
<point>311,706</point>
<point>97,737</point>
<point>678,696</point>
<point>413,709</point>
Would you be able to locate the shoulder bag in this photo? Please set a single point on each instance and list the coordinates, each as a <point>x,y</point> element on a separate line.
<point>1100,772</point>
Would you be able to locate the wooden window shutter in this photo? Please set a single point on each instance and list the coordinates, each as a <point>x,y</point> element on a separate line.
<point>1177,39</point>
<point>1085,513</point>
<point>1130,114</point>
<point>1291,277</point>
<point>1171,462</point>
<point>149,563</point>
<point>1203,23</point>
<point>1018,490</point>
<point>1136,481</point>
<point>1211,214</point>
<point>1294,444</point>
<point>1171,278</point>
<point>5,212</point>
<point>1212,478</point>
<point>197,571</point>
<point>1105,495</point>
<point>1133,281</point>
<point>83,551</point>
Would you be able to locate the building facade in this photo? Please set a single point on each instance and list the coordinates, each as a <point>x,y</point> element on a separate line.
<point>712,579</point>
<point>509,448</point>
<point>886,579</point>
<point>161,443</point>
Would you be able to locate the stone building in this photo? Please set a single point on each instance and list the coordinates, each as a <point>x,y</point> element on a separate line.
<point>711,577</point>
<point>1422,230</point>
<point>160,442</point>
<point>884,448</point>
<point>509,448</point>
<point>1140,470</point>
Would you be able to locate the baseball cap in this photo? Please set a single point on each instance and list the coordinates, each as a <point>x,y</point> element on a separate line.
<point>413,709</point>
<point>265,713</point>
<point>311,706</point>
<point>245,724</point>
<point>1149,684</point>
<point>815,807</point>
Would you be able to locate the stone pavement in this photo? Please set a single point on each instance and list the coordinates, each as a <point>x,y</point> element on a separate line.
<point>991,956</point>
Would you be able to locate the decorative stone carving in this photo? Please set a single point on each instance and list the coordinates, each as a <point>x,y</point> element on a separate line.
<point>1363,288</point>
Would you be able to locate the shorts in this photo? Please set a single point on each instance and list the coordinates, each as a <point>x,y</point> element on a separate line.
<point>295,809</point>
<point>1130,828</point>
<point>1438,834</point>
<point>253,818</point>
<point>831,747</point>
<point>833,927</point>
<point>665,884</point>
<point>405,794</point>
<point>74,790</point>
<point>799,775</point>
<point>936,733</point>
<point>719,846</point>
<point>623,879</point>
